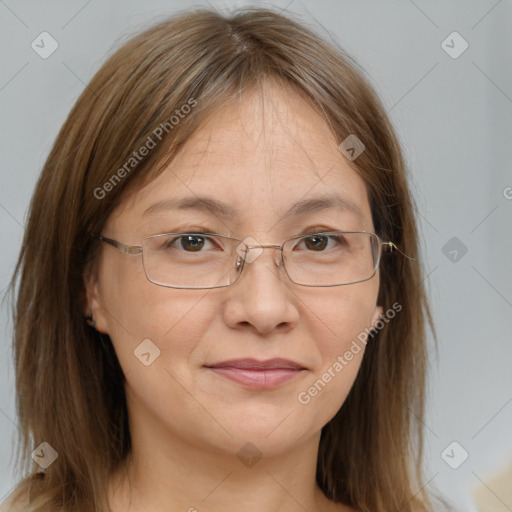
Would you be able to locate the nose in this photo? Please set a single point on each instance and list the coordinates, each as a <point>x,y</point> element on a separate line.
<point>261,299</point>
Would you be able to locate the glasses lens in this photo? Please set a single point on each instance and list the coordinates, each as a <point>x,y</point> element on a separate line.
<point>190,260</point>
<point>331,258</point>
<point>202,260</point>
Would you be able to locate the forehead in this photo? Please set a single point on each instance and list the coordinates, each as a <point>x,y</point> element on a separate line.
<point>260,154</point>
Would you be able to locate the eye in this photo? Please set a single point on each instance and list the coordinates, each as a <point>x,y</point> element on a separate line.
<point>319,242</point>
<point>189,242</point>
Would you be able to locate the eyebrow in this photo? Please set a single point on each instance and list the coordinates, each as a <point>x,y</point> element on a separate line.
<point>221,209</point>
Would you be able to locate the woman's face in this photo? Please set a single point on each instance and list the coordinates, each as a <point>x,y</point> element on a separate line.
<point>260,157</point>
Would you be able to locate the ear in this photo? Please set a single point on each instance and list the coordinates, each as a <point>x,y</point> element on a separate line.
<point>91,303</point>
<point>376,316</point>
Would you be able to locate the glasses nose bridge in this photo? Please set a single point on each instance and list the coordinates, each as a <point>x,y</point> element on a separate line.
<point>269,246</point>
<point>249,259</point>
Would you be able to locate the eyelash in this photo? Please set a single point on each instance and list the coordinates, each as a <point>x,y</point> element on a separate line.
<point>338,240</point>
<point>306,231</point>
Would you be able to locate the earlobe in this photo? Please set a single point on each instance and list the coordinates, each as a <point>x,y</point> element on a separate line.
<point>92,309</point>
<point>377,314</point>
<point>90,321</point>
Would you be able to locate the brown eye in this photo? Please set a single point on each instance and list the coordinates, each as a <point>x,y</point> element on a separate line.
<point>187,242</point>
<point>320,243</point>
<point>316,242</point>
<point>192,243</point>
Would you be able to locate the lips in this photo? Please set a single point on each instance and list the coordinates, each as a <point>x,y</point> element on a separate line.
<point>260,375</point>
<point>254,364</point>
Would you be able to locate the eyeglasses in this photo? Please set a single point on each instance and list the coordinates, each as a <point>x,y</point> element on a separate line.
<point>200,260</point>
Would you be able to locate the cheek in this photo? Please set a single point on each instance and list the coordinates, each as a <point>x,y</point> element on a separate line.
<point>156,341</point>
<point>137,310</point>
<point>341,318</point>
<point>339,330</point>
<point>343,329</point>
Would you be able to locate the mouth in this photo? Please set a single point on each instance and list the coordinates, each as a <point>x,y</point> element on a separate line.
<point>256,374</point>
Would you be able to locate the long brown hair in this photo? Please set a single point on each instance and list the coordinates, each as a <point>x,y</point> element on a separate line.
<point>69,383</point>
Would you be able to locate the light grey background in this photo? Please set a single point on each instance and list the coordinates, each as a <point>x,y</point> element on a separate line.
<point>453,116</point>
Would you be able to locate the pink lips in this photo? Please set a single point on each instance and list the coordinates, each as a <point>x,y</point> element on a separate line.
<point>258,374</point>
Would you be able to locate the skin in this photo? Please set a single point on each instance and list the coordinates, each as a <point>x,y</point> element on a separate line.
<point>260,155</point>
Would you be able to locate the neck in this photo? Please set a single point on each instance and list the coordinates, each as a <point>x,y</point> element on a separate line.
<point>167,473</point>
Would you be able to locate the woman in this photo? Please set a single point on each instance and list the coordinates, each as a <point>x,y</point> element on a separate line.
<point>215,306</point>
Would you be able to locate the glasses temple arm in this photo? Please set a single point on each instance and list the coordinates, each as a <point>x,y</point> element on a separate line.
<point>128,249</point>
<point>392,248</point>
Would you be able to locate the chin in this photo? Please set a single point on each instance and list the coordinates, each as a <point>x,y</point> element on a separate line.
<point>271,433</point>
